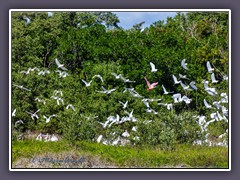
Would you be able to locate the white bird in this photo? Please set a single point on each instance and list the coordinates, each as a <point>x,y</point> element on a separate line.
<point>43,72</point>
<point>105,91</point>
<point>58,99</point>
<point>71,106</point>
<point>124,104</point>
<point>134,128</point>
<point>49,118</point>
<point>153,69</point>
<point>27,19</point>
<point>177,98</point>
<point>126,80</point>
<point>217,104</point>
<point>40,100</point>
<point>14,112</point>
<point>115,142</point>
<point>186,99</point>
<point>21,87</point>
<point>99,76</point>
<point>169,106</point>
<point>53,138</point>
<point>150,100</point>
<point>26,72</point>
<point>209,68</point>
<point>62,74</point>
<point>185,87</point>
<point>146,104</point>
<point>34,114</point>
<point>17,122</point>
<point>183,64</point>
<point>182,76</point>
<point>206,104</point>
<point>60,65</point>
<point>125,134</point>
<point>55,92</point>
<point>99,138</point>
<point>87,83</point>
<point>225,77</point>
<point>175,80</point>
<point>39,137</point>
<point>150,110</point>
<point>213,78</point>
<point>165,91</point>
<point>192,84</point>
<point>116,76</point>
<point>135,94</point>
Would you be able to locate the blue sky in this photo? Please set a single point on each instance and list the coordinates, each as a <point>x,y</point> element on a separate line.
<point>128,19</point>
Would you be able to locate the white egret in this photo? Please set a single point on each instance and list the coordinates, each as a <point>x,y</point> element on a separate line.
<point>165,91</point>
<point>209,68</point>
<point>49,118</point>
<point>184,64</point>
<point>208,106</point>
<point>34,114</point>
<point>153,68</point>
<point>60,65</point>
<point>87,84</point>
<point>175,80</point>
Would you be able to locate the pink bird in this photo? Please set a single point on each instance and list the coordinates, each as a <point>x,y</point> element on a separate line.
<point>150,86</point>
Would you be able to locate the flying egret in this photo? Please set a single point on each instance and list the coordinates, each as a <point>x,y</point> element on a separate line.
<point>150,86</point>
<point>184,64</point>
<point>134,128</point>
<point>165,91</point>
<point>208,106</point>
<point>49,118</point>
<point>124,104</point>
<point>17,122</point>
<point>153,69</point>
<point>192,84</point>
<point>185,87</point>
<point>99,138</point>
<point>55,92</point>
<point>71,106</point>
<point>176,97</point>
<point>182,76</point>
<point>14,112</point>
<point>87,84</point>
<point>116,76</point>
<point>209,68</point>
<point>99,76</point>
<point>60,65</point>
<point>40,100</point>
<point>213,78</point>
<point>105,91</point>
<point>43,72</point>
<point>126,80</point>
<point>34,114</point>
<point>21,87</point>
<point>125,134</point>
<point>175,80</point>
<point>62,74</point>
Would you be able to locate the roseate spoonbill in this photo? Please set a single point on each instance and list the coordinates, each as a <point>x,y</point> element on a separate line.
<point>150,86</point>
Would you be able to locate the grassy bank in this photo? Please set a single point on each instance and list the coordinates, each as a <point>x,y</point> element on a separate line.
<point>99,155</point>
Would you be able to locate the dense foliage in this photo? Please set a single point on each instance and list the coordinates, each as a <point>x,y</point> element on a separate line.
<point>92,43</point>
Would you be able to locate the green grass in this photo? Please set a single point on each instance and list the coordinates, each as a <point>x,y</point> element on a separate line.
<point>148,157</point>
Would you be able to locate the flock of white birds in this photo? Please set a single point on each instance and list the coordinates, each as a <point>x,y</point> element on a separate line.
<point>219,110</point>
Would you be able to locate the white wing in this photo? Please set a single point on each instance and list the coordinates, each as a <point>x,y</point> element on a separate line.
<point>184,64</point>
<point>213,78</point>
<point>206,104</point>
<point>152,66</point>
<point>165,91</point>
<point>57,62</point>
